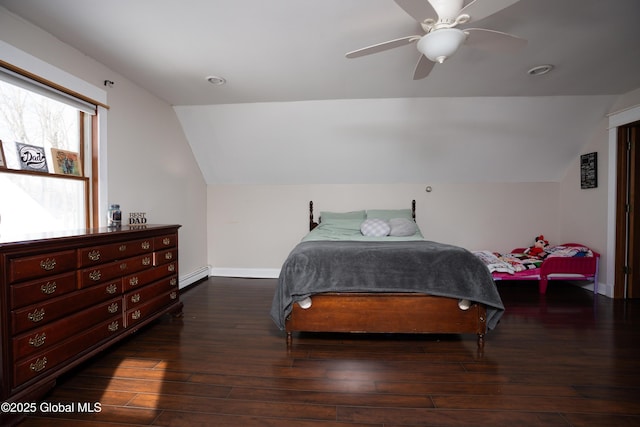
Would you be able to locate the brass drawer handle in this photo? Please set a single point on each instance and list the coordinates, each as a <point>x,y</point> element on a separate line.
<point>145,245</point>
<point>135,298</point>
<point>123,266</point>
<point>173,295</point>
<point>122,248</point>
<point>171,268</point>
<point>113,326</point>
<point>168,255</point>
<point>48,264</point>
<point>113,308</point>
<point>94,255</point>
<point>38,365</point>
<point>173,281</point>
<point>95,275</point>
<point>133,281</point>
<point>36,316</point>
<point>146,261</point>
<point>135,315</point>
<point>112,289</point>
<point>48,288</point>
<point>38,340</point>
<point>166,241</point>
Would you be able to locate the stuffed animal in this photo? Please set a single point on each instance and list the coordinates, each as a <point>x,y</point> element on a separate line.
<point>537,250</point>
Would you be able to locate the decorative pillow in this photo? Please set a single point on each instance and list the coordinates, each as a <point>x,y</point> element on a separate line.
<point>387,214</point>
<point>361,215</point>
<point>375,228</point>
<point>402,227</point>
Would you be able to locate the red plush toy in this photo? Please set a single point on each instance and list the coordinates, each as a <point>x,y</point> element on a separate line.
<point>537,250</point>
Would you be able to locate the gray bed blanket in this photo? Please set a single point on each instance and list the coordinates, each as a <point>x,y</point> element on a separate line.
<point>412,266</point>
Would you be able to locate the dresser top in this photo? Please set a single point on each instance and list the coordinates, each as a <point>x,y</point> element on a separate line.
<point>108,233</point>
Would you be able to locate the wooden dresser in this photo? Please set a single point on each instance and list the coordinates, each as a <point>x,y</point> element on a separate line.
<point>67,296</point>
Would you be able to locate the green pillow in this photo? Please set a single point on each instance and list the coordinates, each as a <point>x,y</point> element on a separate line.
<point>360,215</point>
<point>388,214</point>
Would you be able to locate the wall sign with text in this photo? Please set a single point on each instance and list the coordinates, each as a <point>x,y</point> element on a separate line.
<point>589,170</point>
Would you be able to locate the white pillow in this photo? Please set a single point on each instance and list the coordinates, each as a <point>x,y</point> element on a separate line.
<point>375,227</point>
<point>402,227</point>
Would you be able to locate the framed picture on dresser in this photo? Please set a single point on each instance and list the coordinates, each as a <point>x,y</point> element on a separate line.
<point>66,162</point>
<point>3,161</point>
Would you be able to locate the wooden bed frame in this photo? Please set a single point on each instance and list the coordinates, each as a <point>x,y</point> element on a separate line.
<point>413,313</point>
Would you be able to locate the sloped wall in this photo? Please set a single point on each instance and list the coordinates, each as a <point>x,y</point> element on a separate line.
<point>150,166</point>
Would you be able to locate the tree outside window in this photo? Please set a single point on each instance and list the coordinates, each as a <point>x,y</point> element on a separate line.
<point>46,199</point>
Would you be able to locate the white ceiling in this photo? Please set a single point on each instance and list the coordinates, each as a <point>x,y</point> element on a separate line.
<point>477,117</point>
<point>290,50</point>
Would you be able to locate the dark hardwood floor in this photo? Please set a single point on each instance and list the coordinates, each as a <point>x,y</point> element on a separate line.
<point>563,359</point>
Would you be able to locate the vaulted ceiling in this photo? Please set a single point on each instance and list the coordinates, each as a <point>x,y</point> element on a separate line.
<point>281,51</point>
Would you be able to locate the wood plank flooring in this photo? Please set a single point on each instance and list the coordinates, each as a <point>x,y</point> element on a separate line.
<point>564,359</point>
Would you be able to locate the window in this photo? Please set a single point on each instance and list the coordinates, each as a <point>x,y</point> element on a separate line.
<point>48,143</point>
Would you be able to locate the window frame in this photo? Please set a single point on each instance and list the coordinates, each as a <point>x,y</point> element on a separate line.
<point>92,182</point>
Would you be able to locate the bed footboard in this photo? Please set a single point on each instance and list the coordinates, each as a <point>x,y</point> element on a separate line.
<point>386,313</point>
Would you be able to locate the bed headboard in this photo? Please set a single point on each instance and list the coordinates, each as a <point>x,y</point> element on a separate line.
<point>313,224</point>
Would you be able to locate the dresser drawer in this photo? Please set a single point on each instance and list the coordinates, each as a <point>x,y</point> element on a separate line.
<point>32,292</point>
<point>115,251</point>
<point>46,264</point>
<point>147,293</point>
<point>42,362</point>
<point>102,273</point>
<point>164,242</point>
<point>39,314</point>
<point>142,278</point>
<point>166,256</point>
<point>139,313</point>
<point>54,333</point>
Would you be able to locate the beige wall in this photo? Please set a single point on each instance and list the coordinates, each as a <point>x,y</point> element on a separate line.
<point>255,226</point>
<point>150,166</point>
<point>583,212</point>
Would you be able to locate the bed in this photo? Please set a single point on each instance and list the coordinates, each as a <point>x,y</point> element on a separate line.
<point>568,261</point>
<point>339,280</point>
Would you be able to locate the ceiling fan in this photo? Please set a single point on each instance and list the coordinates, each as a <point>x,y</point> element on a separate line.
<point>439,20</point>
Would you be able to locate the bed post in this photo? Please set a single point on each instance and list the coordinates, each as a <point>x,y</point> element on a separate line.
<point>310,215</point>
<point>480,341</point>
<point>413,209</point>
<point>312,223</point>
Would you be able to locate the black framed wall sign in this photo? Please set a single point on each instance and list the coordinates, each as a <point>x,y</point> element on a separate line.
<point>589,170</point>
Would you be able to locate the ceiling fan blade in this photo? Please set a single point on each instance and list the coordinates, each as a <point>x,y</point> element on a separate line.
<point>480,9</point>
<point>418,9</point>
<point>391,44</point>
<point>423,68</point>
<point>494,41</point>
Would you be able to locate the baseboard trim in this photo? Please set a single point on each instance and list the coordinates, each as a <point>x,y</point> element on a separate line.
<point>194,276</point>
<point>253,273</point>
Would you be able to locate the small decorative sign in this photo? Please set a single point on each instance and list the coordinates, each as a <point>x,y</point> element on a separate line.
<point>136,218</point>
<point>589,170</point>
<point>66,162</point>
<point>32,157</point>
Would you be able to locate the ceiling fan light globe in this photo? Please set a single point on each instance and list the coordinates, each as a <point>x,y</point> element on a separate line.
<point>439,45</point>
